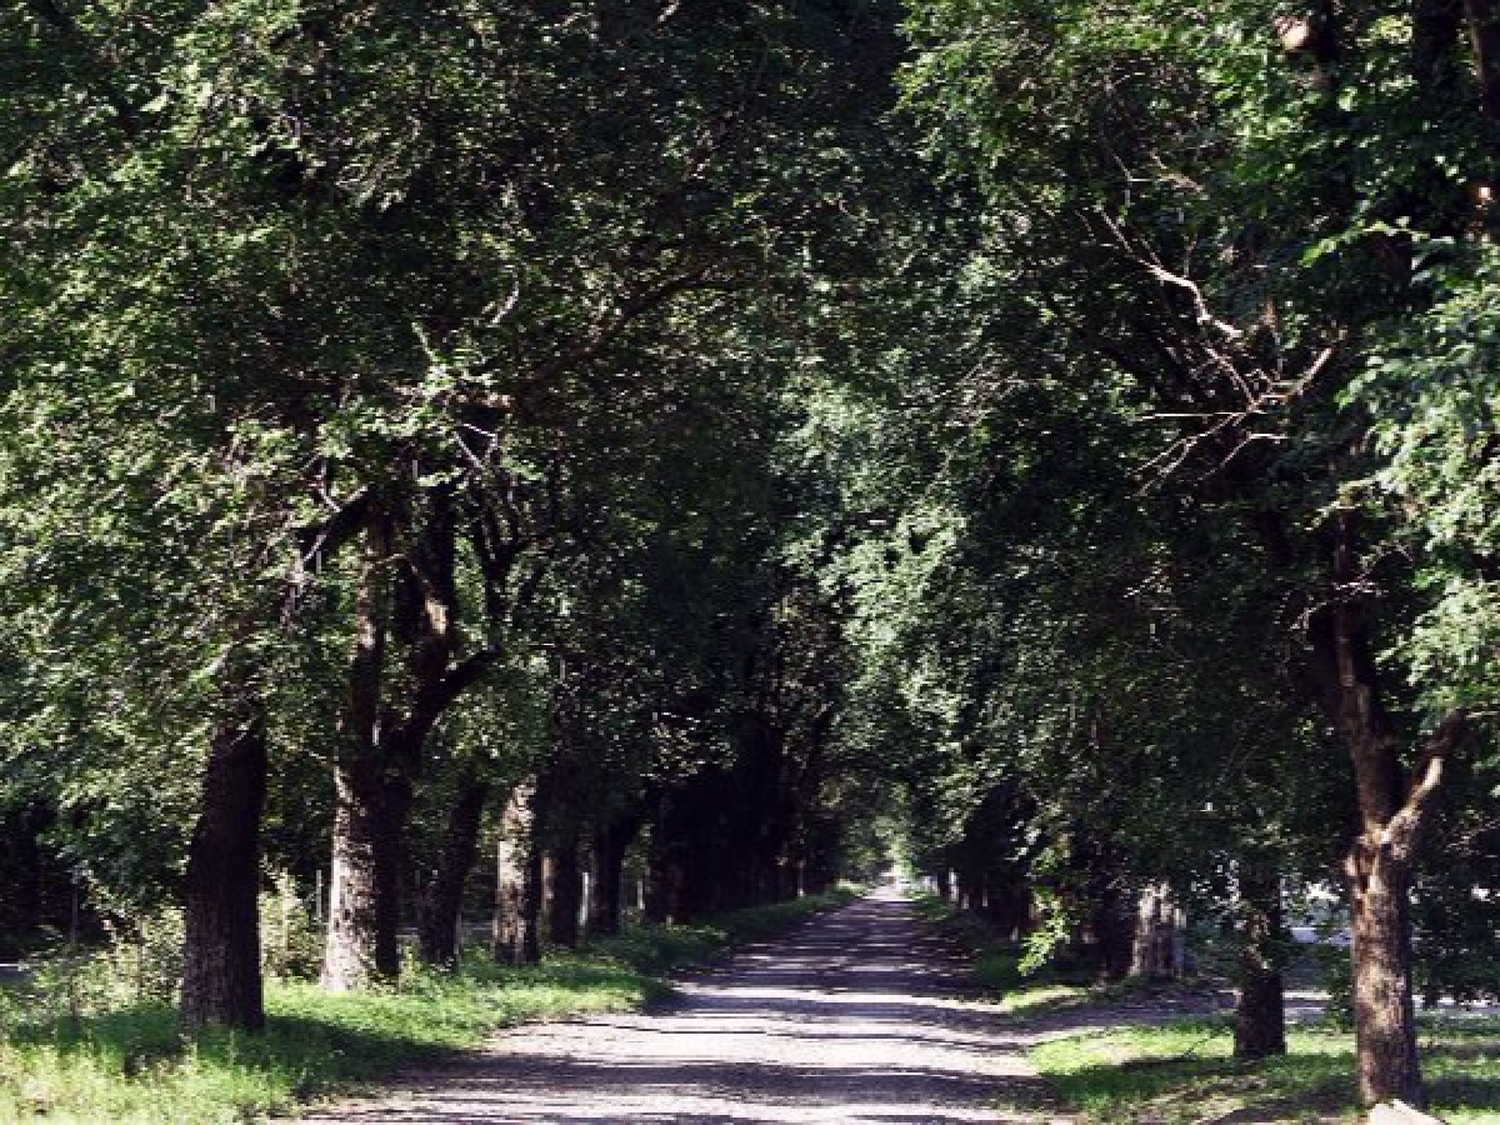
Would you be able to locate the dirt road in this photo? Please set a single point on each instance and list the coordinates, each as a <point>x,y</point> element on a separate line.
<point>862,1015</point>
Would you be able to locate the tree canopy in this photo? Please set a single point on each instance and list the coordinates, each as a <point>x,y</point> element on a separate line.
<point>571,461</point>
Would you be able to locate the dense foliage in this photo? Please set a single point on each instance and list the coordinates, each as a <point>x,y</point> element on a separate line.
<point>566,461</point>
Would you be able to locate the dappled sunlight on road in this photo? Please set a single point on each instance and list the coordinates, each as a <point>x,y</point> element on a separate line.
<point>864,1015</point>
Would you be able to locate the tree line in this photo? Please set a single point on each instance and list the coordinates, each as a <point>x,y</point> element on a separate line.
<point>719,443</point>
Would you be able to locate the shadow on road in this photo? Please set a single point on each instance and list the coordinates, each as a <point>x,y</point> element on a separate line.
<point>864,1015</point>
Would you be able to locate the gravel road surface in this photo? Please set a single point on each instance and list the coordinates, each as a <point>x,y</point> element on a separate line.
<point>862,1015</point>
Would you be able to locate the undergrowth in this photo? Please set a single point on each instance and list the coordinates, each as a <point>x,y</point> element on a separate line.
<point>133,1063</point>
<point>998,968</point>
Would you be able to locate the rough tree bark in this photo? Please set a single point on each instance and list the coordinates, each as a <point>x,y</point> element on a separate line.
<point>221,981</point>
<point>364,894</point>
<point>1384,1010</point>
<point>439,941</point>
<point>412,597</point>
<point>358,952</point>
<point>511,850</point>
<point>1260,1007</point>
<point>221,955</point>
<point>1392,813</point>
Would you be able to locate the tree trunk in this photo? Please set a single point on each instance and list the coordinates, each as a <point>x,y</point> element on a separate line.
<point>439,941</point>
<point>1436,202</point>
<point>1009,900</point>
<point>364,894</point>
<point>1483,18</point>
<point>21,872</point>
<point>1158,950</point>
<point>510,876</point>
<point>354,954</point>
<point>663,890</point>
<point>1384,1009</point>
<point>567,892</point>
<point>1435,32</point>
<point>1260,1009</point>
<point>529,947</point>
<point>1379,883</point>
<point>1392,813</point>
<point>1114,932</point>
<point>970,895</point>
<point>383,744</point>
<point>1379,863</point>
<point>608,866</point>
<point>665,878</point>
<point>221,981</point>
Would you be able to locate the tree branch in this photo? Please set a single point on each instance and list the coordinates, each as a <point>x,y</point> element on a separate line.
<point>1400,833</point>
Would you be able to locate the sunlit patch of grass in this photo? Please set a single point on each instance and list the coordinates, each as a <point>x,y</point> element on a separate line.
<point>135,1065</point>
<point>1039,998</point>
<point>662,950</point>
<point>1184,1071</point>
<point>997,964</point>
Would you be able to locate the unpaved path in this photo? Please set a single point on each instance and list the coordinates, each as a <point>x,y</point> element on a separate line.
<point>861,1015</point>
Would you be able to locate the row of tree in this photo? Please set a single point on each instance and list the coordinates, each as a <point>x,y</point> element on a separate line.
<point>1218,576</point>
<point>394,417</point>
<point>686,438</point>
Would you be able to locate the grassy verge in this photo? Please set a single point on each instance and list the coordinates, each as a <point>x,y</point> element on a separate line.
<point>133,1064</point>
<point>1060,985</point>
<point>1183,1072</point>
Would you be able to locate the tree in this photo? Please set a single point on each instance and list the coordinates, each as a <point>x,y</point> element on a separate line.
<point>1219,240</point>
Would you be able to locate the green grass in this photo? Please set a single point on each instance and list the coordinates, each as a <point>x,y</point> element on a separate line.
<point>134,1065</point>
<point>1183,1072</point>
<point>997,968</point>
<point>997,964</point>
<point>659,950</point>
